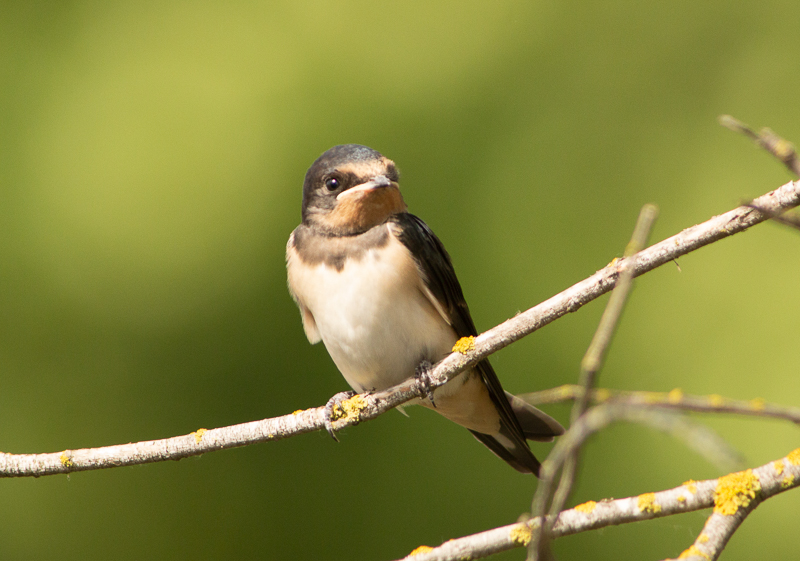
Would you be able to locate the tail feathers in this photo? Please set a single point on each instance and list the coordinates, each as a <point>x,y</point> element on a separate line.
<point>536,425</point>
<point>512,451</point>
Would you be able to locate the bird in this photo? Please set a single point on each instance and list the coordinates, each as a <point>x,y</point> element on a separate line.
<point>378,288</point>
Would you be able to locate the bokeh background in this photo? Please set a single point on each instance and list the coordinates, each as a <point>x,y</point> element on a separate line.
<point>151,161</point>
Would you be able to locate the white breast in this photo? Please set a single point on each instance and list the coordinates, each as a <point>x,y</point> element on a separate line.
<point>373,316</point>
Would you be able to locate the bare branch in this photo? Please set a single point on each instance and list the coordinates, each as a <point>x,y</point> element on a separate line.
<point>595,355</point>
<point>364,407</point>
<point>699,437</point>
<point>768,140</point>
<point>674,399</point>
<point>727,498</point>
<point>787,219</point>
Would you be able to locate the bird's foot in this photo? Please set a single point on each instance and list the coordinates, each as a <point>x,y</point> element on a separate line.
<point>334,410</point>
<point>423,377</point>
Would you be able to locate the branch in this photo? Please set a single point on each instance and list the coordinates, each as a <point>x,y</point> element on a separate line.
<point>736,496</point>
<point>766,139</point>
<point>364,407</point>
<point>733,496</point>
<point>788,219</point>
<point>674,399</point>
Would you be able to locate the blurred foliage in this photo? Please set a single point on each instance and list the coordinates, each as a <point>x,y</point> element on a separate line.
<point>151,160</point>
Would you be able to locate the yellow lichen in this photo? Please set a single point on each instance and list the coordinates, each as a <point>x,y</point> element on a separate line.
<point>757,404</point>
<point>787,481</point>
<point>693,552</point>
<point>675,396</point>
<point>690,486</point>
<point>794,457</point>
<point>420,549</point>
<point>349,408</point>
<point>716,400</point>
<point>735,490</point>
<point>681,499</point>
<point>652,397</point>
<point>602,395</point>
<point>464,345</point>
<point>778,465</point>
<point>65,460</point>
<point>586,507</point>
<point>702,538</point>
<point>520,534</point>
<point>613,262</point>
<point>783,148</point>
<point>298,411</point>
<point>647,503</point>
<point>198,435</point>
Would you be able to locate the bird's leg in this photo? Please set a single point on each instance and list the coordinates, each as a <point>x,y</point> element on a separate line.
<point>334,410</point>
<point>422,375</point>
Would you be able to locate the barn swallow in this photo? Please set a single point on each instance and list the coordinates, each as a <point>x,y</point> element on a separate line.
<point>376,285</point>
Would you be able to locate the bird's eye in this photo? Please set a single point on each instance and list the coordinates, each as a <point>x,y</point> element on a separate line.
<point>331,184</point>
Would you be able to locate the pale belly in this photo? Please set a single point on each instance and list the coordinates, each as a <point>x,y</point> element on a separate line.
<point>374,317</point>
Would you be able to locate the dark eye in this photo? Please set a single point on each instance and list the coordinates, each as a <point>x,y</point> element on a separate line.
<point>331,184</point>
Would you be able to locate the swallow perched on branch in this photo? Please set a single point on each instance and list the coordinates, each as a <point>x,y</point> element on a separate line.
<point>376,285</point>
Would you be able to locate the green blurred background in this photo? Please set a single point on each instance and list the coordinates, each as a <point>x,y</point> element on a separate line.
<point>151,162</point>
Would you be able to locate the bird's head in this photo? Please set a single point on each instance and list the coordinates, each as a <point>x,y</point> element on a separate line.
<point>350,189</point>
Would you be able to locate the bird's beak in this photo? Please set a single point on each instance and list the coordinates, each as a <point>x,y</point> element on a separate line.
<point>376,182</point>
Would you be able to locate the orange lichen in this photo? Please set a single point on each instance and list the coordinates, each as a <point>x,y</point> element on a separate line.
<point>298,411</point>
<point>198,435</point>
<point>690,486</point>
<point>464,345</point>
<point>702,538</point>
<point>794,457</point>
<point>647,503</point>
<point>420,549</point>
<point>735,490</point>
<point>675,396</point>
<point>586,507</point>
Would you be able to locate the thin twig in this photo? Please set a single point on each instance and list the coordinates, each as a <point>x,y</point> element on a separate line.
<point>595,355</point>
<point>674,399</point>
<point>696,436</point>
<point>364,407</point>
<point>768,140</point>
<point>787,218</point>
<point>590,367</point>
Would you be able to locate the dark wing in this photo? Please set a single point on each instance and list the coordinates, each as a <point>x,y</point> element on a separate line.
<point>440,278</point>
